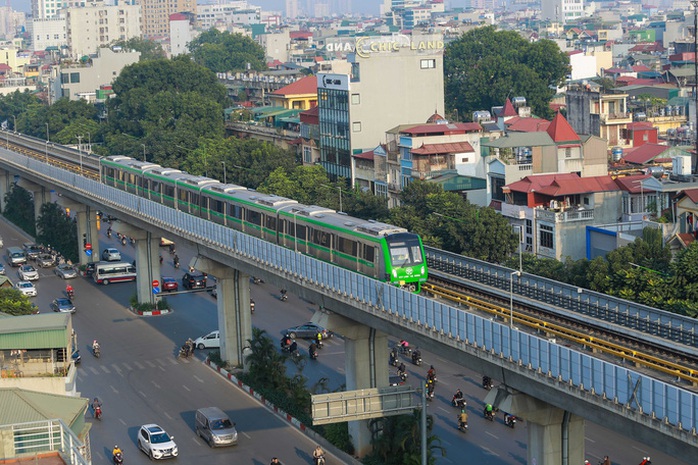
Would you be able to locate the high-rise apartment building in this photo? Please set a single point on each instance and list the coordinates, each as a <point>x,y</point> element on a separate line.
<point>562,11</point>
<point>96,25</point>
<point>394,80</point>
<point>156,15</point>
<point>291,9</point>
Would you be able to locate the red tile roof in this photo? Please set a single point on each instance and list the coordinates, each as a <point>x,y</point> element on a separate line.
<point>640,67</point>
<point>638,125</point>
<point>177,17</point>
<point>364,155</point>
<point>446,129</point>
<point>433,149</point>
<point>509,109</point>
<point>633,184</point>
<point>561,131</point>
<point>303,86</point>
<point>692,194</point>
<point>644,153</point>
<point>528,125</point>
<point>559,184</point>
<point>300,35</point>
<point>686,238</point>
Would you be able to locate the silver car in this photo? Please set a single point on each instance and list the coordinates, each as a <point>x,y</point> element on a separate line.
<point>45,260</point>
<point>27,273</point>
<point>27,288</point>
<point>65,271</point>
<point>111,255</point>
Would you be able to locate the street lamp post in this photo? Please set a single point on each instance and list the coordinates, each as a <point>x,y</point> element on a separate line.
<point>89,143</point>
<point>225,174</point>
<point>340,198</point>
<point>47,133</point>
<point>511,297</point>
<point>520,228</point>
<point>80,151</point>
<point>143,152</point>
<point>46,151</point>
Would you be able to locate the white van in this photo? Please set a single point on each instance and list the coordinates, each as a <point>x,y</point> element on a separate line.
<point>211,341</point>
<point>214,426</point>
<point>16,256</point>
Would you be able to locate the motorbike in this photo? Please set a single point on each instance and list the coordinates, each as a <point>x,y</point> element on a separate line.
<point>109,232</point>
<point>98,412</point>
<point>416,358</point>
<point>402,375</point>
<point>96,351</point>
<point>251,306</point>
<point>118,458</point>
<point>176,263</point>
<point>319,460</point>
<point>405,350</point>
<point>76,357</point>
<point>488,415</point>
<point>256,280</point>
<point>462,427</point>
<point>487,383</point>
<point>458,402</point>
<point>284,295</point>
<point>70,294</point>
<point>313,354</point>
<point>510,420</point>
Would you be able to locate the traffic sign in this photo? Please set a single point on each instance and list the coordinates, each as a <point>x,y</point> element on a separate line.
<point>88,252</point>
<point>88,246</point>
<point>156,283</point>
<point>156,290</point>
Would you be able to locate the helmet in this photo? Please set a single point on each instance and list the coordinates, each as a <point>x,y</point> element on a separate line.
<point>115,446</point>
<point>432,367</point>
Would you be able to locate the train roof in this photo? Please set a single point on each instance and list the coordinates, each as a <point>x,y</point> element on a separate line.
<point>225,189</point>
<point>198,182</point>
<point>167,172</point>
<point>344,221</point>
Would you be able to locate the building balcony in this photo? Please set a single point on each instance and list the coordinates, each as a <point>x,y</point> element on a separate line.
<point>47,442</point>
<point>364,173</point>
<point>566,216</point>
<point>615,118</point>
<point>510,210</point>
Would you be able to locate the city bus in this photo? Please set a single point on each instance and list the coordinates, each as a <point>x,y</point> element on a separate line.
<point>106,273</point>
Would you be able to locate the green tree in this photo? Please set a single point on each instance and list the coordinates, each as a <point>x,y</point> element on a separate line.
<point>58,229</point>
<point>485,65</point>
<point>13,302</point>
<point>19,208</point>
<point>13,105</point>
<point>397,440</point>
<point>222,52</point>
<point>685,264</point>
<point>149,49</point>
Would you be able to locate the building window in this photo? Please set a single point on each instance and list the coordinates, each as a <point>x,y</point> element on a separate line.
<point>74,78</point>
<point>356,126</point>
<point>307,155</point>
<point>568,153</point>
<point>464,160</point>
<point>427,64</point>
<point>546,236</point>
<point>355,99</point>
<point>65,78</point>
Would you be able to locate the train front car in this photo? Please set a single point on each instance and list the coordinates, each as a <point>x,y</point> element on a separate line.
<point>406,264</point>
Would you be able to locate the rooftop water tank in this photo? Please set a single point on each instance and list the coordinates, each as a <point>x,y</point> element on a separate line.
<point>481,115</point>
<point>519,101</point>
<point>681,165</point>
<point>616,153</point>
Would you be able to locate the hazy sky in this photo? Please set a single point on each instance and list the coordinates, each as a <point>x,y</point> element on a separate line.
<point>22,5</point>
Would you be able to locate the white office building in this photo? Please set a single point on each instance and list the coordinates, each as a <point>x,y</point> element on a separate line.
<point>97,25</point>
<point>562,11</point>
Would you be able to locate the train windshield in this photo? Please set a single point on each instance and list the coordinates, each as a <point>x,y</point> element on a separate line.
<point>405,252</point>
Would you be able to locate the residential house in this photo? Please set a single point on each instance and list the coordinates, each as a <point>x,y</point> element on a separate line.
<point>301,94</point>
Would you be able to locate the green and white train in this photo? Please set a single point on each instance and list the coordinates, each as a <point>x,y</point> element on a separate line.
<point>380,250</point>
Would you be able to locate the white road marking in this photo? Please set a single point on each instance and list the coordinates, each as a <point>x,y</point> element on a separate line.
<point>172,361</point>
<point>122,422</point>
<point>196,440</point>
<point>445,410</point>
<point>185,387</point>
<point>489,451</point>
<point>246,435</point>
<point>105,369</point>
<point>116,368</point>
<point>128,367</point>
<point>168,416</point>
<point>142,393</point>
<point>496,437</point>
<point>138,365</point>
<point>155,384</point>
<point>161,368</point>
<point>590,440</point>
<point>150,364</point>
<point>198,379</point>
<point>94,370</point>
<point>113,389</point>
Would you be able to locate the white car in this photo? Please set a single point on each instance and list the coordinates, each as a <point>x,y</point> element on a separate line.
<point>27,288</point>
<point>27,273</point>
<point>211,341</point>
<point>156,443</point>
<point>111,255</point>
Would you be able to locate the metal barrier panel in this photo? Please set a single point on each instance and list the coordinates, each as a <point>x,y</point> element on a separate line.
<point>678,406</point>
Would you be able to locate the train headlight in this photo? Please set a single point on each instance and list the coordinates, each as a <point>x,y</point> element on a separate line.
<point>394,273</point>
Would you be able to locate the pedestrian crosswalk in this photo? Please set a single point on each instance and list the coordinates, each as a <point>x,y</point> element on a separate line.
<point>124,368</point>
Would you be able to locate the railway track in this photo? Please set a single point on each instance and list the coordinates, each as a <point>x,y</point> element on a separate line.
<point>607,340</point>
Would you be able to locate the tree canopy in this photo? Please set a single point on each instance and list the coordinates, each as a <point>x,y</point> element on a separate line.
<point>149,49</point>
<point>485,66</point>
<point>222,52</point>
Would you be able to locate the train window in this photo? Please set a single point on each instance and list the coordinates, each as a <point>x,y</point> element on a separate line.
<point>182,195</point>
<point>253,217</point>
<point>369,253</point>
<point>217,205</point>
<point>155,186</point>
<point>321,238</point>
<point>270,222</point>
<point>416,254</point>
<point>194,199</point>
<point>109,172</point>
<point>301,232</point>
<point>169,191</point>
<point>234,211</point>
<point>347,246</point>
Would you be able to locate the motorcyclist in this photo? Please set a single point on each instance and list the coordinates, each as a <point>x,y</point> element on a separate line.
<point>416,355</point>
<point>401,370</point>
<point>275,461</point>
<point>115,451</point>
<point>489,411</point>
<point>189,346</point>
<point>175,260</point>
<point>283,294</point>
<point>312,350</point>
<point>462,419</point>
<point>430,389</point>
<point>318,338</point>
<point>286,341</point>
<point>293,347</point>
<point>486,382</point>
<point>404,346</point>
<point>69,291</point>
<point>458,400</point>
<point>109,231</point>
<point>508,419</point>
<point>95,346</point>
<point>393,356</point>
<point>431,374</point>
<point>318,455</point>
<point>97,407</point>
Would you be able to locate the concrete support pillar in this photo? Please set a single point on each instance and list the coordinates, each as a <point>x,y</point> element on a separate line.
<point>554,435</point>
<point>234,315</point>
<point>147,259</point>
<point>87,232</point>
<point>6,179</point>
<point>366,366</point>
<point>40,194</point>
